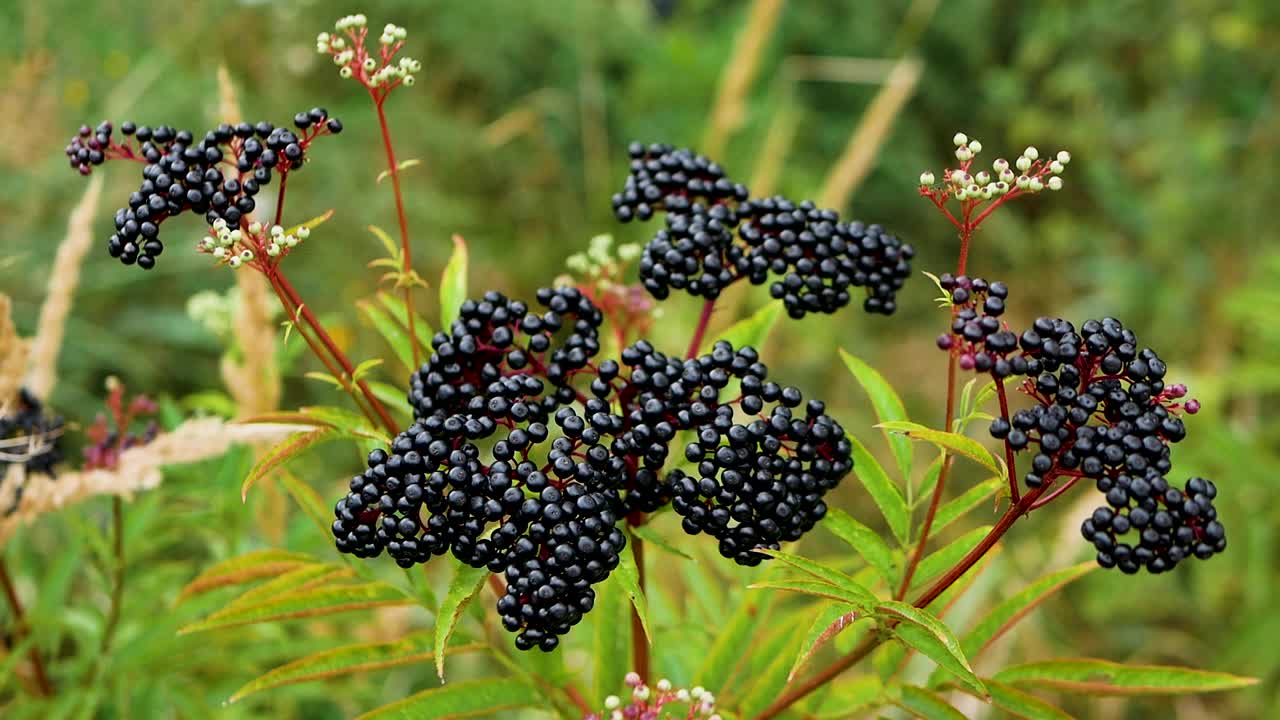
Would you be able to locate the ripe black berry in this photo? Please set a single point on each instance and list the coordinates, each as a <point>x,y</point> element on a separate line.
<point>1149,525</point>
<point>673,179</point>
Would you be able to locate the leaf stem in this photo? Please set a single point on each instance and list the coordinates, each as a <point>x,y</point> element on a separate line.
<point>406,256</point>
<point>704,321</point>
<point>117,580</point>
<point>15,604</point>
<point>936,500</point>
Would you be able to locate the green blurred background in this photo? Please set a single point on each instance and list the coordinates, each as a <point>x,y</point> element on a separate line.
<point>520,118</point>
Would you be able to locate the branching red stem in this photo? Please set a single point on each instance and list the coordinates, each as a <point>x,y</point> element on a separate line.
<point>406,256</point>
<point>700,332</point>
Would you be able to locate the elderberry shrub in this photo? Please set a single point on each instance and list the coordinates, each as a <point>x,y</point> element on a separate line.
<point>716,234</point>
<point>216,177</point>
<point>30,436</point>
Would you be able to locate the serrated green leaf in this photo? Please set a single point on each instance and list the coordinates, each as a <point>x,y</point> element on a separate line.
<point>956,508</point>
<point>1103,677</point>
<point>466,584</point>
<point>629,575</point>
<point>752,331</point>
<point>315,508</point>
<point>926,704</point>
<point>1020,704</point>
<point>651,536</point>
<point>886,403</point>
<point>325,600</point>
<point>282,453</point>
<point>391,331</point>
<point>809,587</point>
<point>347,422</point>
<point>924,632</point>
<point>865,541</point>
<point>943,559</point>
<point>833,619</point>
<point>471,698</point>
<point>296,580</point>
<point>854,592</point>
<point>349,660</point>
<point>953,442</point>
<point>453,284</point>
<point>245,568</point>
<point>1013,608</point>
<point>883,491</point>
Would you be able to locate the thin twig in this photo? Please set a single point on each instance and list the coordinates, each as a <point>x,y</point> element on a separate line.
<point>700,332</point>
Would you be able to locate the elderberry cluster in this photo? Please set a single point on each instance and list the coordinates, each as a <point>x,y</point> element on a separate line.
<point>1168,524</point>
<point>716,234</point>
<point>217,176</point>
<point>982,340</point>
<point>30,437</point>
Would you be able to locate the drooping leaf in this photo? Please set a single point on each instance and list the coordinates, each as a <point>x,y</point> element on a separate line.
<point>651,536</point>
<point>611,636</point>
<point>956,443</point>
<point>1102,677</point>
<point>1020,704</point>
<point>402,165</point>
<point>888,406</point>
<point>857,594</point>
<point>924,632</point>
<point>883,491</point>
<point>349,660</point>
<point>311,602</point>
<point>245,568</point>
<point>865,541</point>
<point>752,331</point>
<point>936,563</point>
<point>347,422</point>
<point>453,284</point>
<point>298,579</point>
<point>834,619</point>
<point>311,224</point>
<point>629,575</point>
<point>466,585</point>
<point>282,453</point>
<point>809,587</point>
<point>471,698</point>
<point>1013,608</point>
<point>391,246</point>
<point>391,331</point>
<point>364,368</point>
<point>309,500</point>
<point>927,705</point>
<point>956,508</point>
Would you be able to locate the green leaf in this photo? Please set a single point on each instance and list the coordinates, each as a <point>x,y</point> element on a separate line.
<point>467,583</point>
<point>752,331</point>
<point>364,368</point>
<point>927,704</point>
<point>651,536</point>
<point>834,619</point>
<point>473,698</point>
<point>1102,677</point>
<point>395,307</point>
<point>310,501</point>
<point>311,602</point>
<point>887,404</point>
<point>927,634</point>
<point>392,248</point>
<point>244,568</point>
<point>850,698</point>
<point>939,561</point>
<point>629,576</point>
<point>736,638</point>
<point>952,442</point>
<point>325,378</point>
<point>296,580</point>
<point>809,587</point>
<point>282,453</point>
<point>311,224</point>
<point>865,541</point>
<point>956,508</point>
<point>391,331</point>
<point>1020,704</point>
<point>930,480</point>
<point>348,660</point>
<point>453,284</point>
<point>882,490</point>
<point>1013,608</point>
<point>611,636</point>
<point>766,683</point>
<point>347,422</point>
<point>402,165</point>
<point>854,591</point>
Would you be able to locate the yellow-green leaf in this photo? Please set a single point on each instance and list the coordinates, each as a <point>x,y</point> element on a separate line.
<point>927,705</point>
<point>629,575</point>
<point>364,368</point>
<point>927,634</point>
<point>460,700</point>
<point>952,442</point>
<point>883,491</point>
<point>310,501</point>
<point>453,284</point>
<point>886,403</point>
<point>943,559</point>
<point>816,589</point>
<point>311,224</point>
<point>245,568</point>
<point>854,591</point>
<point>851,698</point>
<point>467,583</point>
<point>349,660</point>
<point>296,580</point>
<point>865,541</point>
<point>324,600</point>
<point>403,165</point>
<point>1102,677</point>
<point>393,249</point>
<point>1013,608</point>
<point>282,453</point>
<point>651,536</point>
<point>1020,704</point>
<point>956,508</point>
<point>752,331</point>
<point>391,331</point>
<point>834,619</point>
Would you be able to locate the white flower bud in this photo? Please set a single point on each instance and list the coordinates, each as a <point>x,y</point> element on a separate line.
<point>255,227</point>
<point>682,695</point>
<point>697,692</point>
<point>982,178</point>
<point>963,153</point>
<point>1035,185</point>
<point>1007,176</point>
<point>408,80</point>
<point>1064,157</point>
<point>337,43</point>
<point>1056,167</point>
<point>960,139</point>
<point>1000,165</point>
<point>962,194</point>
<point>290,241</point>
<point>1001,188</point>
<point>246,255</point>
<point>975,147</point>
<point>973,191</point>
<point>959,177</point>
<point>664,685</point>
<point>344,72</point>
<point>322,38</point>
<point>236,235</point>
<point>1023,181</point>
<point>641,693</point>
<point>370,64</point>
<point>273,250</point>
<point>1023,163</point>
<point>277,230</point>
<point>1031,152</point>
<point>927,178</point>
<point>219,224</point>
<point>1055,183</point>
<point>304,232</point>
<point>613,702</point>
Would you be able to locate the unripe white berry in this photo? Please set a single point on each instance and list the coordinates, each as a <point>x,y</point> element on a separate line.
<point>1023,163</point>
<point>959,176</point>
<point>960,139</point>
<point>273,250</point>
<point>1031,152</point>
<point>277,230</point>
<point>963,153</point>
<point>291,241</point>
<point>246,255</point>
<point>234,261</point>
<point>612,702</point>
<point>926,178</point>
<point>973,190</point>
<point>344,72</point>
<point>1056,167</point>
<point>1064,157</point>
<point>1000,165</point>
<point>304,232</point>
<point>255,227</point>
<point>1055,183</point>
<point>962,194</point>
<point>370,64</point>
<point>975,147</point>
<point>1023,181</point>
<point>408,80</point>
<point>1007,176</point>
<point>682,695</point>
<point>664,685</point>
<point>1035,185</point>
<point>982,178</point>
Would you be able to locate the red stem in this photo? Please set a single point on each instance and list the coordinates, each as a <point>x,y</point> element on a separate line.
<point>37,662</point>
<point>639,639</point>
<point>936,500</point>
<point>406,258</point>
<point>704,321</point>
<point>284,178</point>
<point>1009,458</point>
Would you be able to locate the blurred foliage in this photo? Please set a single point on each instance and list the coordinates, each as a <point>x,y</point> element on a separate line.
<point>1171,112</point>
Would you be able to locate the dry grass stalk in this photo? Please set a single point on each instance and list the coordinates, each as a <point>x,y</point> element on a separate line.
<point>63,280</point>
<point>864,145</point>
<point>228,102</point>
<point>729,111</point>
<point>13,355</point>
<point>139,469</point>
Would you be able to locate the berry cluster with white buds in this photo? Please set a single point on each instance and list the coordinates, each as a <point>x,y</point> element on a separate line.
<point>648,703</point>
<point>235,247</point>
<point>379,71</point>
<point>1028,174</point>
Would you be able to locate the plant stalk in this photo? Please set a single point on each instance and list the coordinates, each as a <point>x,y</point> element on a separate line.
<point>700,332</point>
<point>15,604</point>
<point>406,257</point>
